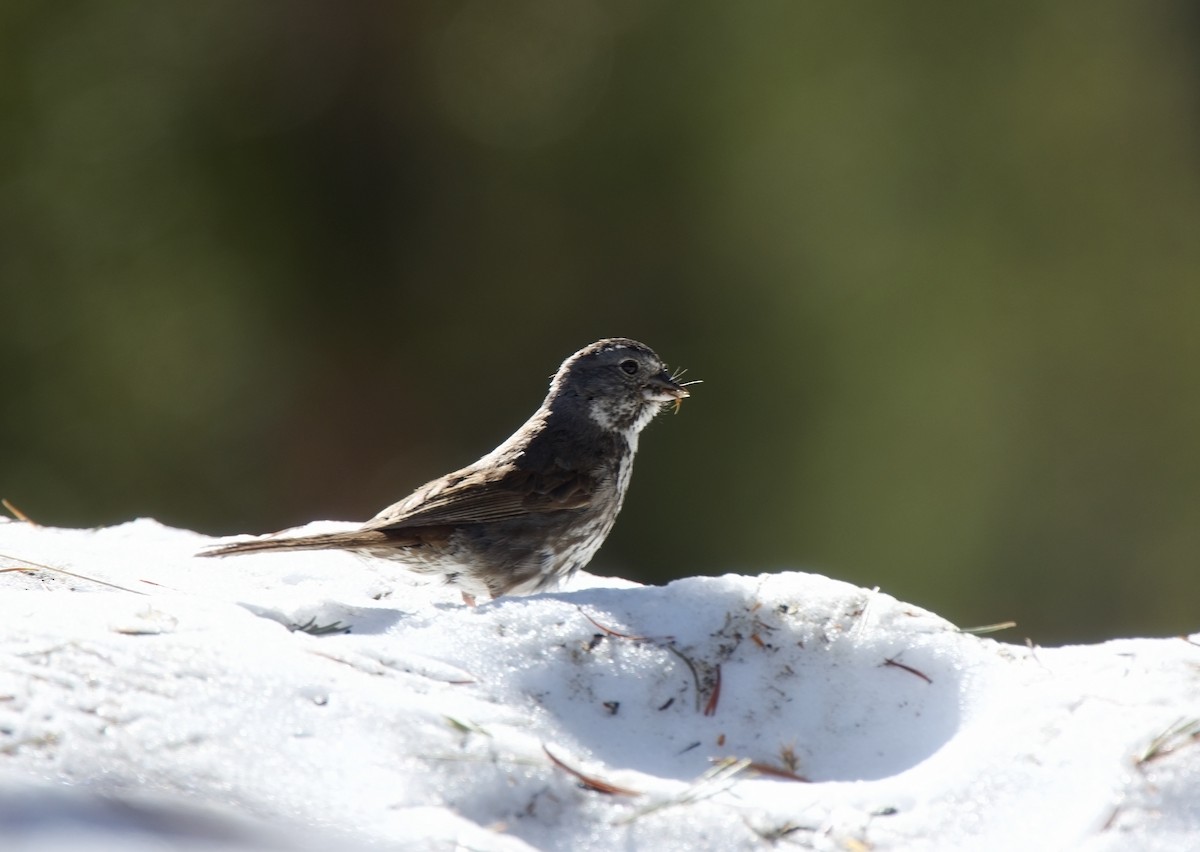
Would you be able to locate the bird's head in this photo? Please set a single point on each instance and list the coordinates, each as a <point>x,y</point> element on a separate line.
<point>620,384</point>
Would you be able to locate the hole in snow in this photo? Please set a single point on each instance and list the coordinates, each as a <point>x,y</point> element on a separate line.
<point>795,685</point>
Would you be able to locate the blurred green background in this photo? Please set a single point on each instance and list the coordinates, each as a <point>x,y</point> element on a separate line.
<point>937,264</point>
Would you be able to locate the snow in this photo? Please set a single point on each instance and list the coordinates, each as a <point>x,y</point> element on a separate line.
<point>179,711</point>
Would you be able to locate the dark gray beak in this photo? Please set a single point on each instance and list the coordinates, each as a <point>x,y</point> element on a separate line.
<point>662,388</point>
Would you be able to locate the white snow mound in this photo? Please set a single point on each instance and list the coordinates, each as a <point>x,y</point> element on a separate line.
<point>222,704</point>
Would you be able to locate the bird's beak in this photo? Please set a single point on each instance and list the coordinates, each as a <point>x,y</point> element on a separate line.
<point>662,388</point>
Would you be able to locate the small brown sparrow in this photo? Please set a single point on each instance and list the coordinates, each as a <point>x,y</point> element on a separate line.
<point>535,510</point>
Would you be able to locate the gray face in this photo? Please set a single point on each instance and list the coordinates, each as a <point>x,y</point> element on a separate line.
<point>621,383</point>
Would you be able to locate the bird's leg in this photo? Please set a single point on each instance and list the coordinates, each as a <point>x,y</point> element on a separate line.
<point>469,600</point>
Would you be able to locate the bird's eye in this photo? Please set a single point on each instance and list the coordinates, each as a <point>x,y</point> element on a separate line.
<point>629,366</point>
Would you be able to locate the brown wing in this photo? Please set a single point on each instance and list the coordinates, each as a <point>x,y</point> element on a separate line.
<point>480,496</point>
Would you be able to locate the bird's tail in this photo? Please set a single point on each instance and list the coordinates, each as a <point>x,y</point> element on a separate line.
<point>324,541</point>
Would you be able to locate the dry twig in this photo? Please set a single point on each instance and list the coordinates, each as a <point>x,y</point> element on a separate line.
<point>589,782</point>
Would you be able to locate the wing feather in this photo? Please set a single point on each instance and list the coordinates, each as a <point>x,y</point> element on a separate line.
<point>483,496</point>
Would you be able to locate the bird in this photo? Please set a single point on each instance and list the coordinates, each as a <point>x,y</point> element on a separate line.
<point>529,514</point>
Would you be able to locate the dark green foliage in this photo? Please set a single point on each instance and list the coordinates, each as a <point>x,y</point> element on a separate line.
<point>938,266</point>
